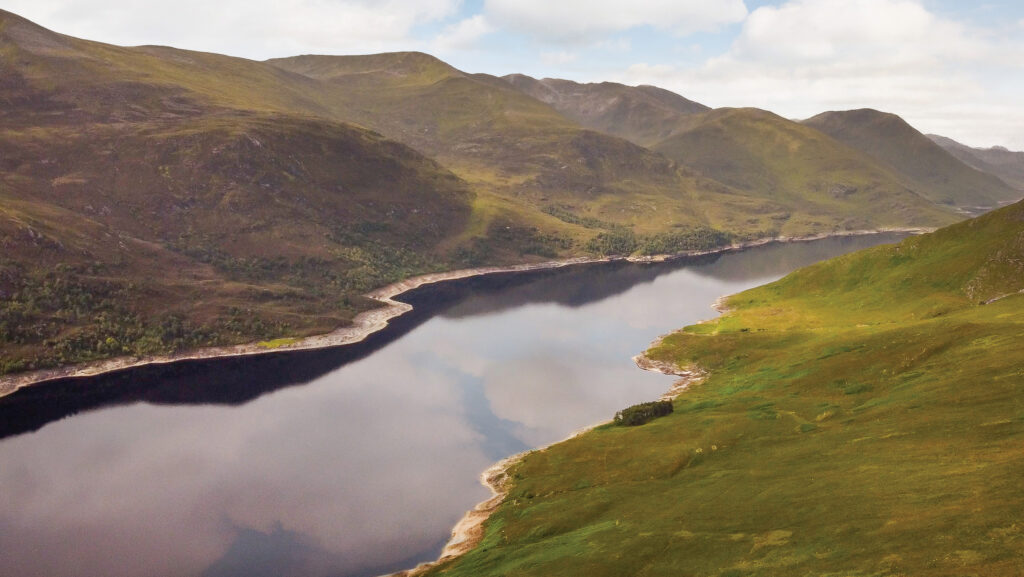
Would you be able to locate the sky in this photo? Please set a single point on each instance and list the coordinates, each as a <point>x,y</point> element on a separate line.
<point>948,67</point>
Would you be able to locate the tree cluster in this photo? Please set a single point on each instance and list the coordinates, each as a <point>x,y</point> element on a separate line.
<point>642,413</point>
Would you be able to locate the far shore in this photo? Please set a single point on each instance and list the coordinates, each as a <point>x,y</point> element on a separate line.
<point>377,319</point>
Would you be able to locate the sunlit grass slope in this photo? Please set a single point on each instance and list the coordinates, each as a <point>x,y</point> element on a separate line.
<point>494,134</point>
<point>930,170</point>
<point>644,115</point>
<point>812,177</point>
<point>508,145</point>
<point>863,417</point>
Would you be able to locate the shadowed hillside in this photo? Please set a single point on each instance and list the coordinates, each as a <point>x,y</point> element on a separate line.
<point>1006,164</point>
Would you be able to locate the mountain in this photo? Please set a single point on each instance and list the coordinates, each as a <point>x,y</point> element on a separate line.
<point>929,170</point>
<point>528,158</point>
<point>806,173</point>
<point>525,159</point>
<point>1006,164</point>
<point>643,115</point>
<point>153,199</point>
<point>861,416</point>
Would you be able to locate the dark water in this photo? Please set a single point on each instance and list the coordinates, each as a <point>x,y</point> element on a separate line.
<point>353,461</point>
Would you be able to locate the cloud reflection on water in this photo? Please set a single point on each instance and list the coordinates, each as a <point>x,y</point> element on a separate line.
<point>367,467</point>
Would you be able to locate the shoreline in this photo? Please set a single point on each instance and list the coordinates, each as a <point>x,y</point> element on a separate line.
<point>469,531</point>
<point>688,377</point>
<point>372,321</point>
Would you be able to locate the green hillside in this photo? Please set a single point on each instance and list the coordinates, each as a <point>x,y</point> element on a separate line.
<point>810,176</point>
<point>643,115</point>
<point>862,417</point>
<point>930,170</point>
<point>527,162</point>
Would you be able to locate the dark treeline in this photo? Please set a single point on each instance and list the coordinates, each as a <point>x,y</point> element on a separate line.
<point>642,413</point>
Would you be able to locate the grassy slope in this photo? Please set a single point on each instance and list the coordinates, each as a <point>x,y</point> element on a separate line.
<point>930,170</point>
<point>520,154</point>
<point>809,176</point>
<point>643,115</point>
<point>154,199</point>
<point>1008,165</point>
<point>864,416</point>
<point>525,155</point>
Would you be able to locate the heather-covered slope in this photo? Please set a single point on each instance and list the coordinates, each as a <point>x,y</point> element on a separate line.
<point>140,212</point>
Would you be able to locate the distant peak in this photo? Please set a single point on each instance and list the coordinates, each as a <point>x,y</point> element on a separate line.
<point>858,115</point>
<point>31,37</point>
<point>410,64</point>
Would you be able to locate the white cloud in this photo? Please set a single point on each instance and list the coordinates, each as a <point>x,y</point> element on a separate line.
<point>464,34</point>
<point>615,45</point>
<point>826,31</point>
<point>250,28</point>
<point>584,20</point>
<point>808,56</point>
<point>557,58</point>
<point>651,73</point>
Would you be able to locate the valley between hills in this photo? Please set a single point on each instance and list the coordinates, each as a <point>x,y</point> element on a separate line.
<point>860,417</point>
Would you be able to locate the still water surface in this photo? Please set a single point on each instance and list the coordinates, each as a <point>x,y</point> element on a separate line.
<point>348,462</point>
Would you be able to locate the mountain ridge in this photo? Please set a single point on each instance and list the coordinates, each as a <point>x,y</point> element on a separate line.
<point>643,115</point>
<point>1000,161</point>
<point>931,170</point>
<point>284,190</point>
<point>793,165</point>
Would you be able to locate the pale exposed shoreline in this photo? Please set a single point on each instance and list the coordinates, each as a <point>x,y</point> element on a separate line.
<point>369,322</point>
<point>469,531</point>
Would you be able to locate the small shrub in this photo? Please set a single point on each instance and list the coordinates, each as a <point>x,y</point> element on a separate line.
<point>642,413</point>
